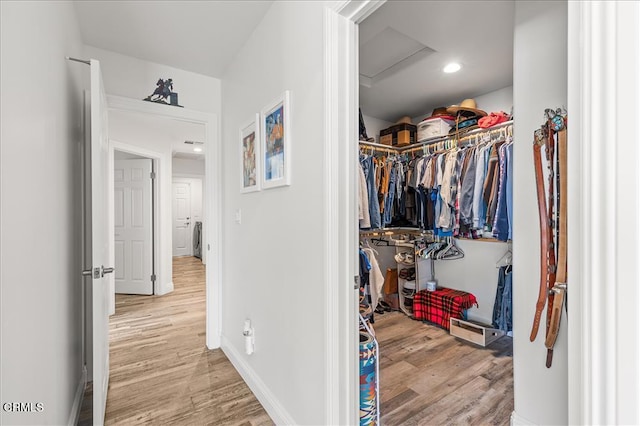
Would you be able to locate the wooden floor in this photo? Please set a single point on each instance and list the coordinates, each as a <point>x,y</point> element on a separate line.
<point>161,371</point>
<point>428,377</point>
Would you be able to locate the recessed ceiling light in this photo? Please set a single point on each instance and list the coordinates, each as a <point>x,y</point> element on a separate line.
<point>452,67</point>
<point>196,149</point>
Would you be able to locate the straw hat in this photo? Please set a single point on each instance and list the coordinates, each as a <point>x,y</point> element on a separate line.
<point>404,120</point>
<point>468,107</point>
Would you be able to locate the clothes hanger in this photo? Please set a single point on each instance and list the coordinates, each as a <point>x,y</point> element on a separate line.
<point>506,259</point>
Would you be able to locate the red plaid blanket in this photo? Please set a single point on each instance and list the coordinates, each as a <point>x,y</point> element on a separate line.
<point>440,305</point>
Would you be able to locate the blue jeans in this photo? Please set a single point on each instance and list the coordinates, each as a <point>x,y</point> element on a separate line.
<point>503,306</point>
<point>388,202</point>
<point>369,175</point>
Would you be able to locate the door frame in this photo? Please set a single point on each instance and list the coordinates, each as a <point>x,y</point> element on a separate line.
<point>212,220</point>
<point>598,374</point>
<point>158,162</point>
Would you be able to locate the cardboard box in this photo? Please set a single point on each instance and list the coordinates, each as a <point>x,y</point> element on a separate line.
<point>399,135</point>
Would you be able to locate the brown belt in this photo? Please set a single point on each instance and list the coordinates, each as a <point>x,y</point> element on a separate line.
<point>552,287</point>
<point>560,287</point>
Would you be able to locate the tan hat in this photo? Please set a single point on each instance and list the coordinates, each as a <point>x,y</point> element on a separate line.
<point>404,120</point>
<point>466,107</point>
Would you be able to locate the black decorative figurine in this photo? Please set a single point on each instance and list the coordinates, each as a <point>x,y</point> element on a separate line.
<point>164,91</point>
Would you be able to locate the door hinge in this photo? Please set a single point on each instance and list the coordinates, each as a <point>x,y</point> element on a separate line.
<point>356,280</point>
<point>153,278</point>
<point>153,175</point>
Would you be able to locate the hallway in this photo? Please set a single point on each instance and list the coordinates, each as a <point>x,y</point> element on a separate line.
<point>161,371</point>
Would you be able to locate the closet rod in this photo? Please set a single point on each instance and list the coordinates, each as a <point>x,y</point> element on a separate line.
<point>467,135</point>
<point>394,231</point>
<point>379,147</point>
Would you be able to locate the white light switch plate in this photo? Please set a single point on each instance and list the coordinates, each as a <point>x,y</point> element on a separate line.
<point>238,216</point>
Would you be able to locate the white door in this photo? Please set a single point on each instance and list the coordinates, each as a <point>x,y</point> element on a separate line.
<point>100,256</point>
<point>182,235</point>
<point>133,215</point>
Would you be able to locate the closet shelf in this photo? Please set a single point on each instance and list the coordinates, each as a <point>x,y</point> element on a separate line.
<point>475,132</point>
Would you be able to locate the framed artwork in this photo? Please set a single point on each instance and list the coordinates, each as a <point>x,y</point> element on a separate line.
<point>250,156</point>
<point>276,148</point>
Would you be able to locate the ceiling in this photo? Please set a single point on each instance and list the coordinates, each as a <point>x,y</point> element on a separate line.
<point>197,36</point>
<point>405,44</point>
<point>129,127</point>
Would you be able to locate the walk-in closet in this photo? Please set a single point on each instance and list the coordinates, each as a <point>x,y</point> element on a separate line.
<point>436,213</point>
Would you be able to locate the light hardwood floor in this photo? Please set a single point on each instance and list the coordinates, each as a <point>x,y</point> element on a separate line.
<point>428,377</point>
<point>162,372</point>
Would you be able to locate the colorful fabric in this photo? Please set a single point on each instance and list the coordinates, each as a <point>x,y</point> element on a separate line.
<point>368,401</point>
<point>440,305</point>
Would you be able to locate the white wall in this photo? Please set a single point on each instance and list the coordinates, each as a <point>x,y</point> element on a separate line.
<point>135,78</point>
<point>540,393</point>
<point>476,273</point>
<point>41,132</point>
<point>188,166</point>
<point>274,260</point>
<point>374,126</point>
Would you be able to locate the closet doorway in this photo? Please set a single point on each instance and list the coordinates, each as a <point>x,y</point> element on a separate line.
<point>436,364</point>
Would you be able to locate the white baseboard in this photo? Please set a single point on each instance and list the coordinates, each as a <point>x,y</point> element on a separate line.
<point>74,415</point>
<point>276,411</point>
<point>516,420</point>
<point>165,289</point>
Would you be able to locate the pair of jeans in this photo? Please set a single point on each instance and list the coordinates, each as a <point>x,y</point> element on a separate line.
<point>503,306</point>
<point>369,174</point>
<point>388,202</point>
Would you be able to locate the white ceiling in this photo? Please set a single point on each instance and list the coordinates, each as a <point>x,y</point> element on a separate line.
<point>404,45</point>
<point>477,34</point>
<point>198,36</point>
<point>130,128</point>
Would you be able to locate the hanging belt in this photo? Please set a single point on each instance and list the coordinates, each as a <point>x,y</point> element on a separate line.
<point>552,287</point>
<point>544,235</point>
<point>560,287</point>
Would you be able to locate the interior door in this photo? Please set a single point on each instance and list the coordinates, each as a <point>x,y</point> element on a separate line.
<point>182,219</point>
<point>133,226</point>
<point>100,255</point>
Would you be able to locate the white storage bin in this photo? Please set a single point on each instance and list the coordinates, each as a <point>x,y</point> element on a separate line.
<point>433,128</point>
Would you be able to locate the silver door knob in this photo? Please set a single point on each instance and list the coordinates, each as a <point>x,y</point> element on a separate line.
<point>87,273</point>
<point>107,270</point>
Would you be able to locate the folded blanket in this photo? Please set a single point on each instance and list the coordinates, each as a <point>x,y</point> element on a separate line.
<point>440,305</point>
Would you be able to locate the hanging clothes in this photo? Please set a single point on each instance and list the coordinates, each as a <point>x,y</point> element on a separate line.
<point>376,279</point>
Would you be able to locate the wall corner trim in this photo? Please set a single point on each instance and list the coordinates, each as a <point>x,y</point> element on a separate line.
<point>274,408</point>
<point>74,415</point>
<point>517,420</point>
<point>165,289</point>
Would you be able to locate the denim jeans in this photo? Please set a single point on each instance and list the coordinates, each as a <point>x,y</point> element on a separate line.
<point>388,202</point>
<point>503,306</point>
<point>369,175</point>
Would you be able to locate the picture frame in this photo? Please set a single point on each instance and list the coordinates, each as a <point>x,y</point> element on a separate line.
<point>250,158</point>
<point>276,143</point>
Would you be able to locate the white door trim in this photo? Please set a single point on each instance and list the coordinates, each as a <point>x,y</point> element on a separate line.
<point>604,198</point>
<point>212,225</point>
<point>341,237</point>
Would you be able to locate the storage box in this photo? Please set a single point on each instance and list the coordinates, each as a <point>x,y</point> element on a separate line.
<point>434,128</point>
<point>479,334</point>
<point>399,135</point>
